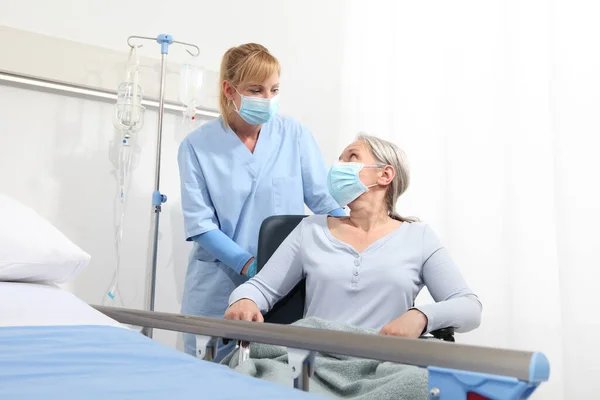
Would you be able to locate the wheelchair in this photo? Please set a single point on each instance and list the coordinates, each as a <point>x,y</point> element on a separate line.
<point>273,232</point>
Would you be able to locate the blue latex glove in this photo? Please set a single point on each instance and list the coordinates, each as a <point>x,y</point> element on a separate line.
<point>251,271</point>
<point>338,212</point>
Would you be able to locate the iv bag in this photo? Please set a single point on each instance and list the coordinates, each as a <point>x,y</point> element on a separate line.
<point>129,113</point>
<point>191,78</point>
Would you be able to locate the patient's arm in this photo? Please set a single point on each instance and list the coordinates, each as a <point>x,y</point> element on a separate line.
<point>280,274</point>
<point>456,305</point>
<point>411,324</point>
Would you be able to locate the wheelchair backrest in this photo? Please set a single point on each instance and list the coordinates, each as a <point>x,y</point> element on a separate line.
<point>273,232</point>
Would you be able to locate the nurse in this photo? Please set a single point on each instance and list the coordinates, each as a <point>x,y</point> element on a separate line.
<point>237,170</point>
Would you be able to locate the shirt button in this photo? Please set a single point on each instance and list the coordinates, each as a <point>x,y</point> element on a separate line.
<point>355,273</point>
<point>357,262</point>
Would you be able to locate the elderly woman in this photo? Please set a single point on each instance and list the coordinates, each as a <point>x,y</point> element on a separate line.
<point>365,269</point>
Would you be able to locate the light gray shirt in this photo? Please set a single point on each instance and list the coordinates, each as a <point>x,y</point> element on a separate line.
<point>368,289</point>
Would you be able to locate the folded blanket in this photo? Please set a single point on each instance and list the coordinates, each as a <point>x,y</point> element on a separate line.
<point>337,376</point>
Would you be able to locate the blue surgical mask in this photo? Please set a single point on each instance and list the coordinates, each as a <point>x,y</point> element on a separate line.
<point>257,110</point>
<point>344,183</point>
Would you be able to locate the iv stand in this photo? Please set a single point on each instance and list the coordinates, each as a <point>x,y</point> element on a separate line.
<point>157,197</point>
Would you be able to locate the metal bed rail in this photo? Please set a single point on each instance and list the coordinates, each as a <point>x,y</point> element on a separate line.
<point>14,79</point>
<point>449,364</point>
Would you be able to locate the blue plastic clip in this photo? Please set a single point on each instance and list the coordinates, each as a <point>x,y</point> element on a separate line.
<point>165,40</point>
<point>455,384</point>
<point>158,198</point>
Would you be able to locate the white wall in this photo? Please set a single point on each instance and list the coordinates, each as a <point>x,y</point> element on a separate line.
<point>306,36</point>
<point>95,67</point>
<point>55,151</point>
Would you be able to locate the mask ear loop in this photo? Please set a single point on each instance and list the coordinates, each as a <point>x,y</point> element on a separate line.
<point>231,100</point>
<point>237,110</point>
<point>379,165</point>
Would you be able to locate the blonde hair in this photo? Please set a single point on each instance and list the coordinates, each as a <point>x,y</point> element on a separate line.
<point>389,154</point>
<point>249,63</point>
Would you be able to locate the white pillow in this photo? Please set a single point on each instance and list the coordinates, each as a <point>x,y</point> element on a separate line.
<point>32,249</point>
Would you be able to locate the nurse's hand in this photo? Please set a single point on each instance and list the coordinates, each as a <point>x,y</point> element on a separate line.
<point>411,324</point>
<point>244,310</point>
<point>247,266</point>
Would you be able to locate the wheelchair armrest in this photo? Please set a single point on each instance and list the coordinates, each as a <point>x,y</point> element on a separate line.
<point>445,334</point>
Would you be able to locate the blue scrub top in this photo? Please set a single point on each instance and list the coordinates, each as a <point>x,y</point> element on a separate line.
<point>225,186</point>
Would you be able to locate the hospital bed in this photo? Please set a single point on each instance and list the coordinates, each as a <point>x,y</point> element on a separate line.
<point>55,346</point>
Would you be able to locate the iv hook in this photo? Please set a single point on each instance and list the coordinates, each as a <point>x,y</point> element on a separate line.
<point>138,37</point>
<point>196,49</point>
<point>193,46</point>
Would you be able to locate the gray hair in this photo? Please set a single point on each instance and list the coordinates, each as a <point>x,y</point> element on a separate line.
<point>389,154</point>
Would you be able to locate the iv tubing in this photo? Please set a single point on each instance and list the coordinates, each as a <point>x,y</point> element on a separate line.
<point>124,168</point>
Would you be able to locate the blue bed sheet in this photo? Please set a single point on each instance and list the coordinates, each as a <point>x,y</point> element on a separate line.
<point>101,362</point>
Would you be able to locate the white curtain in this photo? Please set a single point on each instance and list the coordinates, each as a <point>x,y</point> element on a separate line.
<point>496,104</point>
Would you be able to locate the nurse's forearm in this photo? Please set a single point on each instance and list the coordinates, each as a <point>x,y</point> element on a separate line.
<point>220,246</point>
<point>338,212</point>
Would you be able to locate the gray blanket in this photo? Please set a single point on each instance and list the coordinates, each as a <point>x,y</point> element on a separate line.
<point>337,376</point>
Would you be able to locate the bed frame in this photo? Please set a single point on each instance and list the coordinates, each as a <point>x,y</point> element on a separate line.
<point>455,371</point>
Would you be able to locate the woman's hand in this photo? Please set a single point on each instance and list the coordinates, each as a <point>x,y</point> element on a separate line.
<point>244,310</point>
<point>410,325</point>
